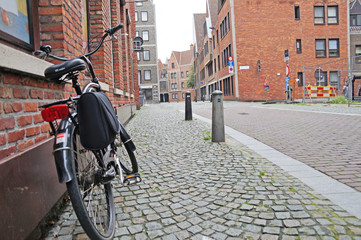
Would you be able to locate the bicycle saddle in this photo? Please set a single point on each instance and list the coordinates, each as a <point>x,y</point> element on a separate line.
<point>58,70</point>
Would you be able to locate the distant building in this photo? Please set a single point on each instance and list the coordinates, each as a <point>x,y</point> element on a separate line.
<point>255,35</point>
<point>148,59</point>
<point>163,81</point>
<point>355,47</point>
<point>179,69</point>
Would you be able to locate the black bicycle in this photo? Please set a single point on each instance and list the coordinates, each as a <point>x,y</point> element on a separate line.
<point>91,147</point>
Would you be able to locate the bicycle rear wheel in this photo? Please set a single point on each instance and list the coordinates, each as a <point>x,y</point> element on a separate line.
<point>92,199</point>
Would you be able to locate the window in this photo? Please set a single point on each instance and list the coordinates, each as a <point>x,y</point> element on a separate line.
<point>145,35</point>
<point>215,65</point>
<point>356,20</point>
<point>322,79</point>
<point>332,14</point>
<point>300,79</point>
<point>17,23</point>
<point>146,55</point>
<point>182,84</point>
<point>139,76</point>
<point>138,55</point>
<point>183,95</point>
<point>147,75</point>
<point>138,4</point>
<point>137,33</point>
<point>358,53</point>
<point>320,48</point>
<point>187,73</point>
<point>136,16</point>
<point>333,48</point>
<point>298,46</point>
<point>217,38</point>
<point>173,65</point>
<point>214,42</point>
<point>335,79</point>
<point>229,24</point>
<point>144,16</point>
<point>297,12</point>
<point>319,14</point>
<point>182,74</point>
<point>219,63</point>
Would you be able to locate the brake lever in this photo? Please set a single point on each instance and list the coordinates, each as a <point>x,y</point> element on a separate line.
<point>40,54</point>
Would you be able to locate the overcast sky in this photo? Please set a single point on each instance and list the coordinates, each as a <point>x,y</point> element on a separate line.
<point>175,24</point>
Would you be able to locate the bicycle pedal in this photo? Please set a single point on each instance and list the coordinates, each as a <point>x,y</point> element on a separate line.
<point>132,179</point>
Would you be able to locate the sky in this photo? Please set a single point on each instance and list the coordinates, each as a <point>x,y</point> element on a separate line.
<point>175,24</point>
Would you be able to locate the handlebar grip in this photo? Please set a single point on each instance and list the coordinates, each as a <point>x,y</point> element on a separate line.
<point>113,30</point>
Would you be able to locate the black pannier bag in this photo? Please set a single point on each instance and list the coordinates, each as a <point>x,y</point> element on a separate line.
<point>98,123</point>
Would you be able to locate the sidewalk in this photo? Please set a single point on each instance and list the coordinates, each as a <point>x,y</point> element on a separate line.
<point>195,189</point>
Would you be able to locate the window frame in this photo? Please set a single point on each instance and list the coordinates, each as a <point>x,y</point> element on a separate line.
<point>298,48</point>
<point>297,12</point>
<point>144,56</point>
<point>338,86</point>
<point>323,15</point>
<point>136,17</point>
<point>324,50</point>
<point>358,60</point>
<point>138,3</point>
<point>150,75</point>
<point>141,13</point>
<point>145,31</point>
<point>337,15</point>
<point>33,29</point>
<point>338,47</point>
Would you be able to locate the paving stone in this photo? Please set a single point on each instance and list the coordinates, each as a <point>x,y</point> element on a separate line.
<point>194,188</point>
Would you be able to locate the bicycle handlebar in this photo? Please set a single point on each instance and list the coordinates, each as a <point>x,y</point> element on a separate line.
<point>46,50</point>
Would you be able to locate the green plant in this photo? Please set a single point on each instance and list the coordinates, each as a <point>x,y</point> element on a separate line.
<point>208,137</point>
<point>339,99</point>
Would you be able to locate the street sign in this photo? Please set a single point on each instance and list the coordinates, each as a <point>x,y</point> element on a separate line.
<point>286,82</point>
<point>230,63</point>
<point>266,88</point>
<point>287,71</point>
<point>243,67</point>
<point>318,73</point>
<point>230,58</point>
<point>230,68</point>
<point>265,84</point>
<point>201,83</point>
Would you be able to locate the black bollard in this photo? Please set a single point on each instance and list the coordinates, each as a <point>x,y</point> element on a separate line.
<point>188,106</point>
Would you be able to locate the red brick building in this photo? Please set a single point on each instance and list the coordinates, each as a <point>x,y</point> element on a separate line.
<point>27,169</point>
<point>256,35</point>
<point>179,68</point>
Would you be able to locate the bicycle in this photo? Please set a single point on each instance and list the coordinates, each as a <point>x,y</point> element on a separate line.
<point>88,171</point>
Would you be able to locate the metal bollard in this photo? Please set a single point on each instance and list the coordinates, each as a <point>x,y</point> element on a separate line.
<point>217,117</point>
<point>188,109</point>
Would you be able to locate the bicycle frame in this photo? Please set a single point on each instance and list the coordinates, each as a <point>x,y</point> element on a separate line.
<point>62,143</point>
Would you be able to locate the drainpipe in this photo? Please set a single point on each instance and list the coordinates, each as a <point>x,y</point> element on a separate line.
<point>234,49</point>
<point>349,55</point>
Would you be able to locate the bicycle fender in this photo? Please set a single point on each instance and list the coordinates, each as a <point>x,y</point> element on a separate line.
<point>62,150</point>
<point>126,139</point>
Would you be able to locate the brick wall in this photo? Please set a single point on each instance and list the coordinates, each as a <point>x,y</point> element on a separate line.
<point>22,130</point>
<point>265,29</point>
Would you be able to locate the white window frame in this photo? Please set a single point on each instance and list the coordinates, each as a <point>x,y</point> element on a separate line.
<point>144,15</point>
<point>147,75</point>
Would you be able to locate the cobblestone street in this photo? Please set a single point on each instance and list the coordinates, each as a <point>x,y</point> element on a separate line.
<point>195,189</point>
<point>324,137</point>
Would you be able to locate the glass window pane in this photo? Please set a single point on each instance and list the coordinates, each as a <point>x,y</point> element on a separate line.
<point>147,75</point>
<point>358,50</point>
<point>332,12</point>
<point>358,23</point>
<point>332,44</point>
<point>320,45</point>
<point>145,35</point>
<point>144,16</point>
<point>319,12</point>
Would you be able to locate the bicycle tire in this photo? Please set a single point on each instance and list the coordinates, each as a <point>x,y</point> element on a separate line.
<point>92,203</point>
<point>127,159</point>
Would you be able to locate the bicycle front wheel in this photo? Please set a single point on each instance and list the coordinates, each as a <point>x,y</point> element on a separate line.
<point>126,156</point>
<point>91,197</point>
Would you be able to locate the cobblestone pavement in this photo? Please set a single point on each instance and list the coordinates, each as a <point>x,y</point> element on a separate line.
<point>322,136</point>
<point>195,189</point>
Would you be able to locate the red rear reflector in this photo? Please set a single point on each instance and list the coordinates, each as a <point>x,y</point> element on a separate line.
<point>52,113</point>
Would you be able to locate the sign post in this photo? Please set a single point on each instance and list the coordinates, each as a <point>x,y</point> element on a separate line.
<point>266,87</point>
